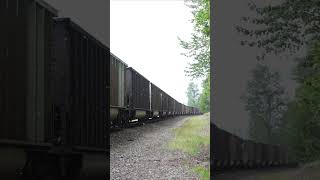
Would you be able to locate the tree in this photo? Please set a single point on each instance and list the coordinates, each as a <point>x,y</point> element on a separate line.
<point>193,95</point>
<point>303,116</point>
<point>281,27</point>
<point>288,26</point>
<point>198,48</point>
<point>265,101</point>
<point>204,99</point>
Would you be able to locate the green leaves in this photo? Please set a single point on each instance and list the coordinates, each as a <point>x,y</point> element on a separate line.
<point>198,48</point>
<point>193,95</point>
<point>200,100</point>
<point>303,116</point>
<point>204,99</point>
<point>283,27</point>
<point>265,102</point>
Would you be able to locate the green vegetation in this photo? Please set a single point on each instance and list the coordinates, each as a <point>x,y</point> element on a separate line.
<point>281,26</point>
<point>204,173</point>
<point>192,138</point>
<point>188,137</point>
<point>204,99</point>
<point>302,131</point>
<point>284,27</point>
<point>198,50</point>
<point>265,102</point>
<point>201,101</point>
<point>193,95</point>
<point>295,123</point>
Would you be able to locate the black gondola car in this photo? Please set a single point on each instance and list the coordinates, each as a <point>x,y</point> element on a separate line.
<point>118,101</point>
<point>170,106</point>
<point>235,150</point>
<point>54,96</point>
<point>164,103</point>
<point>137,95</point>
<point>221,147</point>
<point>230,151</point>
<point>247,153</point>
<point>80,82</point>
<point>156,100</point>
<point>178,108</point>
<point>25,104</point>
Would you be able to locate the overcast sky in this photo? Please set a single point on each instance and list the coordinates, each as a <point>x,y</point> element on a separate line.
<point>144,34</point>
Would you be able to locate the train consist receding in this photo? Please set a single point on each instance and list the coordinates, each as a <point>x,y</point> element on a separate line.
<point>134,97</point>
<point>230,151</point>
<point>54,96</point>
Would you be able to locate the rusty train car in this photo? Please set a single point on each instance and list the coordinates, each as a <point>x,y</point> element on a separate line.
<point>230,152</point>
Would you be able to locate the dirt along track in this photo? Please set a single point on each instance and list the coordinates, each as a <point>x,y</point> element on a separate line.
<point>142,152</point>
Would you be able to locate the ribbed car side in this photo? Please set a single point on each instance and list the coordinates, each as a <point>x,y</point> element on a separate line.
<point>230,151</point>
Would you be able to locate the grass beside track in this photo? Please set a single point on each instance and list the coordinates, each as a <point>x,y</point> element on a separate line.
<point>191,138</point>
<point>188,137</point>
<point>203,172</point>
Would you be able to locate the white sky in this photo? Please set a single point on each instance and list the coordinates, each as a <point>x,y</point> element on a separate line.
<point>144,34</point>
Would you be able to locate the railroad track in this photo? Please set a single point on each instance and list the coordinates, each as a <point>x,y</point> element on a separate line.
<point>137,123</point>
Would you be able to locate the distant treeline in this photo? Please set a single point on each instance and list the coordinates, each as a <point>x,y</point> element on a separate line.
<point>281,28</point>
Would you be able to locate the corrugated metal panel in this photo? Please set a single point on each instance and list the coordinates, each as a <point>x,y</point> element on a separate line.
<point>117,80</point>
<point>26,51</point>
<point>178,107</point>
<point>137,87</point>
<point>82,86</point>
<point>165,98</point>
<point>155,98</point>
<point>170,104</point>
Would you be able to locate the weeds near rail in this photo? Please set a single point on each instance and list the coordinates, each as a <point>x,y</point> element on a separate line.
<point>188,137</point>
<point>203,172</point>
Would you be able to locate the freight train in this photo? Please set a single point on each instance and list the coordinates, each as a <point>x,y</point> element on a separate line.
<point>230,151</point>
<point>56,100</point>
<point>133,97</point>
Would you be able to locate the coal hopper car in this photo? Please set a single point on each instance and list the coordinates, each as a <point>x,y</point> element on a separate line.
<point>165,104</point>
<point>156,101</point>
<point>80,86</point>
<point>25,107</point>
<point>170,106</point>
<point>230,151</point>
<point>118,99</point>
<point>53,96</point>
<point>137,95</point>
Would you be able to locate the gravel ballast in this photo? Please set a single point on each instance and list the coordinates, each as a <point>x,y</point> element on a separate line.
<point>142,152</point>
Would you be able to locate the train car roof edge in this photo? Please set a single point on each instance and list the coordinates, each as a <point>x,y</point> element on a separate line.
<point>82,30</point>
<point>118,59</point>
<point>48,6</point>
